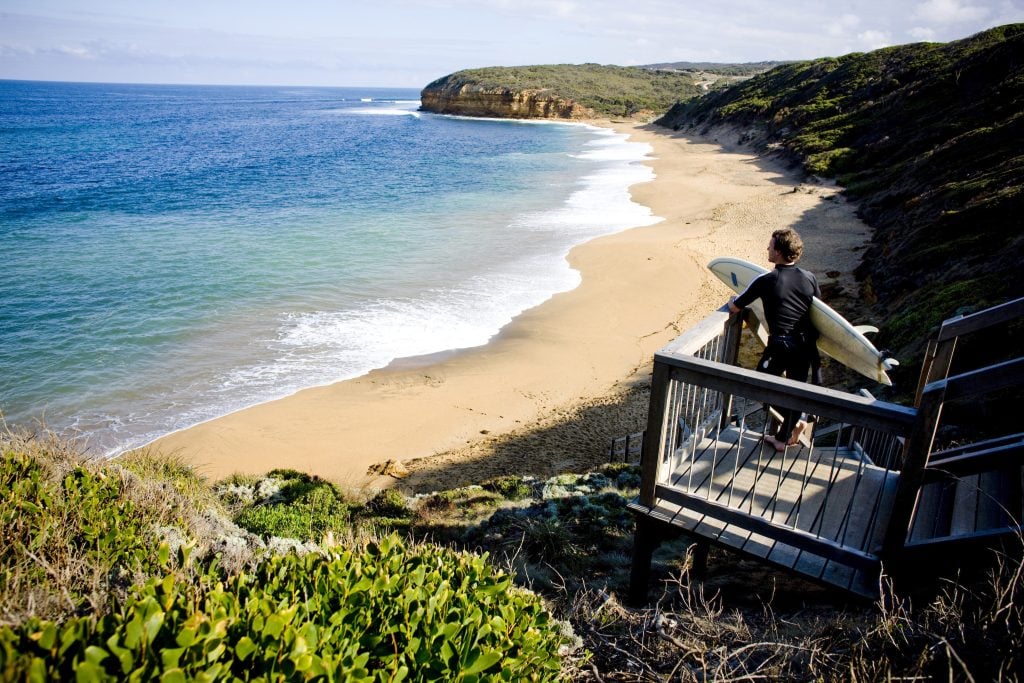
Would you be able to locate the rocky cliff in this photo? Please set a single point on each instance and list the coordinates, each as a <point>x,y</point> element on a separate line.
<point>559,91</point>
<point>454,96</point>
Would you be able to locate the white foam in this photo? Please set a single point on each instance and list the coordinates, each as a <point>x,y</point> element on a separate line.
<point>320,347</point>
<point>602,205</point>
<point>380,112</point>
<point>328,346</point>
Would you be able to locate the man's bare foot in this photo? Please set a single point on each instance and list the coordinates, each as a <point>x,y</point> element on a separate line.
<point>797,431</point>
<point>776,444</point>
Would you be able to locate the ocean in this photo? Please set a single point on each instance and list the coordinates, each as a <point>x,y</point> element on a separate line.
<point>171,254</point>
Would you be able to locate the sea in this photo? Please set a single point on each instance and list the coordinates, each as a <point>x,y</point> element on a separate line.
<point>170,254</point>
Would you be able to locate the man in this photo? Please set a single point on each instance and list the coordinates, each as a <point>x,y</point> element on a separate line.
<point>786,294</point>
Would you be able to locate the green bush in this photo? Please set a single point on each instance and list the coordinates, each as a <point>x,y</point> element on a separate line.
<point>303,507</point>
<point>383,613</point>
<point>512,487</point>
<point>68,544</point>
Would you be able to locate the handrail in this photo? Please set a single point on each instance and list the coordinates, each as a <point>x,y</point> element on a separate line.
<point>760,386</point>
<point>961,325</point>
<point>993,442</point>
<point>938,357</point>
<point>690,341</point>
<point>984,459</point>
<point>982,381</point>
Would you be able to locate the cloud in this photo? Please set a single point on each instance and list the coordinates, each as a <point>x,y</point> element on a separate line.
<point>949,12</point>
<point>843,25</point>
<point>922,33</point>
<point>76,51</point>
<point>873,40</point>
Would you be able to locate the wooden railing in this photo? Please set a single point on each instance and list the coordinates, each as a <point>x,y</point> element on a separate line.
<point>705,458</point>
<point>845,497</point>
<point>941,349</point>
<point>971,487</point>
<point>997,459</point>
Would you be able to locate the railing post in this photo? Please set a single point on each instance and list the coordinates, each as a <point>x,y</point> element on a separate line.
<point>646,540</point>
<point>729,354</point>
<point>647,534</point>
<point>915,457</point>
<point>937,360</point>
<point>650,456</point>
<point>730,351</point>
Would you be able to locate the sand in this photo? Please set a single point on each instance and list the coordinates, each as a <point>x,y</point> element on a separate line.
<point>557,383</point>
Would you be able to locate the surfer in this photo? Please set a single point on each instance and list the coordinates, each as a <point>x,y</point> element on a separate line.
<point>786,294</point>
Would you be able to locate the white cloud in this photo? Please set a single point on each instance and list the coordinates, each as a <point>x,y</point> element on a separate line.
<point>922,33</point>
<point>843,25</point>
<point>873,40</point>
<point>410,42</point>
<point>76,51</point>
<point>949,12</point>
<point>1008,12</point>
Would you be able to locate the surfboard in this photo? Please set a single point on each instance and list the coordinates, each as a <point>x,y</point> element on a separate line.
<point>837,338</point>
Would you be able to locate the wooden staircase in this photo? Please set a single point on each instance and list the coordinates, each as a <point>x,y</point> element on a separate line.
<point>958,503</point>
<point>872,492</point>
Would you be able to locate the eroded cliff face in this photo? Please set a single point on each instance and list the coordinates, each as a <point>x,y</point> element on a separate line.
<point>473,100</point>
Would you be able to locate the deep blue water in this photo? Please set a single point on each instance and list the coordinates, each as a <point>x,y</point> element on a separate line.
<point>174,253</point>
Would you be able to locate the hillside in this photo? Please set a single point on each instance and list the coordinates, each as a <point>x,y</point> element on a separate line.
<point>558,91</point>
<point>927,139</point>
<point>745,69</point>
<point>138,569</point>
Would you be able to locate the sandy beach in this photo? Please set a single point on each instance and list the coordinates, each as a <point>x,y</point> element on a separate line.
<point>551,390</point>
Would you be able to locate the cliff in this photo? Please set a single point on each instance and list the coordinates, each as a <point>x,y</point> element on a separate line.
<point>561,91</point>
<point>455,96</point>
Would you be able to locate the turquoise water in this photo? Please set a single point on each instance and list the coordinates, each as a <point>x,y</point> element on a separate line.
<point>175,253</point>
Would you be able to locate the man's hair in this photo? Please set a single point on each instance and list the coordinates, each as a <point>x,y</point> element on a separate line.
<point>788,243</point>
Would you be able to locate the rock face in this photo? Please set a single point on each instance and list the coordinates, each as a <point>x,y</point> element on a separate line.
<point>453,96</point>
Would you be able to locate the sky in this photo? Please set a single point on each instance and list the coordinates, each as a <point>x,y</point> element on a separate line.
<point>408,43</point>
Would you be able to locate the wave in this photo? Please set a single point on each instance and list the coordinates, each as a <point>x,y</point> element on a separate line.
<point>380,111</point>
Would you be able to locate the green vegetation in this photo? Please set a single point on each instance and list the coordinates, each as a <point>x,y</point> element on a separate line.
<point>926,138</point>
<point>384,612</point>
<point>745,69</point>
<point>608,90</point>
<point>106,576</point>
<point>289,504</point>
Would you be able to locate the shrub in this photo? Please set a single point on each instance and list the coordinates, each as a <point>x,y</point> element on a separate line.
<point>512,487</point>
<point>383,613</point>
<point>300,506</point>
<point>68,544</point>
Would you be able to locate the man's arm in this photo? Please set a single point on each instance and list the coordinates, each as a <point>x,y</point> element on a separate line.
<point>751,293</point>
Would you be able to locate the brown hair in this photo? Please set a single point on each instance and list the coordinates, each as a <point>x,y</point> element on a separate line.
<point>788,243</point>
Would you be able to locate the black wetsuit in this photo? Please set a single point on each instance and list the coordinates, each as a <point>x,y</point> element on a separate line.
<point>786,294</point>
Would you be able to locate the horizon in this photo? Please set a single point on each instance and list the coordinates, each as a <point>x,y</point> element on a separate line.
<point>409,43</point>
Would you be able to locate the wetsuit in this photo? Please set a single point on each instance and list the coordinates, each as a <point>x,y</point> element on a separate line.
<point>786,294</point>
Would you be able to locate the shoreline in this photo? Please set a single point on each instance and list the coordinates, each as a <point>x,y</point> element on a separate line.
<point>465,415</point>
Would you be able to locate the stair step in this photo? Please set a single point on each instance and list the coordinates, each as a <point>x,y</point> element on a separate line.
<point>934,510</point>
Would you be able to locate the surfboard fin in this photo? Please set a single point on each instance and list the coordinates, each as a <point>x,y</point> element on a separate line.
<point>866,329</point>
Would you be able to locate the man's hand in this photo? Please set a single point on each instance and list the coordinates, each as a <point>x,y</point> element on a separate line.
<point>732,306</point>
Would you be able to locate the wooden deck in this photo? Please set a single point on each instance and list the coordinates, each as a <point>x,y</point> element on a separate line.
<point>872,485</point>
<point>795,509</point>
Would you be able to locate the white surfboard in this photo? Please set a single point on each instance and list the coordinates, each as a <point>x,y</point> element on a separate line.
<point>836,336</point>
